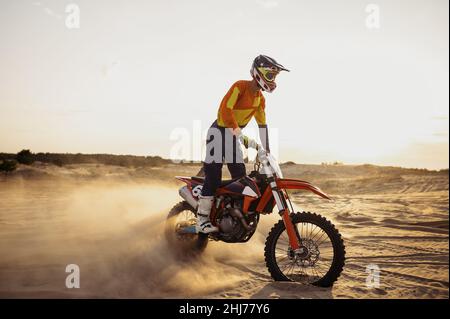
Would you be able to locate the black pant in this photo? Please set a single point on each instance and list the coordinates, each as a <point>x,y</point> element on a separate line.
<point>221,147</point>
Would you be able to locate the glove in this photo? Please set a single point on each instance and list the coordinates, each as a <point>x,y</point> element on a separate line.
<point>247,141</point>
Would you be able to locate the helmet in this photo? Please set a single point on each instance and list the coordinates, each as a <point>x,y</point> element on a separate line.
<point>264,70</point>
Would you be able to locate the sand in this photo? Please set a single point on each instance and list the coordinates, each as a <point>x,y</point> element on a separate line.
<point>109,221</point>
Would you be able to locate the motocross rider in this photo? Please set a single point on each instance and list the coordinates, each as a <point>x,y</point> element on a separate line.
<point>243,101</point>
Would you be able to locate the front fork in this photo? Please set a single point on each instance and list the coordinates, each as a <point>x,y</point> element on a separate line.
<point>283,210</point>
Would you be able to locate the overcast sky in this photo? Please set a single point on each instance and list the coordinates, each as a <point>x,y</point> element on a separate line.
<point>136,70</point>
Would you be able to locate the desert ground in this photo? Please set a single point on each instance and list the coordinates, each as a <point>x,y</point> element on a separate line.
<point>109,221</point>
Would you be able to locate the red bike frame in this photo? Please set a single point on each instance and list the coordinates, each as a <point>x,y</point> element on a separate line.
<point>278,190</point>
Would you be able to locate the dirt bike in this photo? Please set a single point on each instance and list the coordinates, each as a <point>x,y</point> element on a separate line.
<point>302,247</point>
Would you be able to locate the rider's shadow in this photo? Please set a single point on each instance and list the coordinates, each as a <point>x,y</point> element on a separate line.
<point>292,290</point>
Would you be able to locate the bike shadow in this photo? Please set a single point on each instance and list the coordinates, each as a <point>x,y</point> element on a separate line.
<point>292,290</point>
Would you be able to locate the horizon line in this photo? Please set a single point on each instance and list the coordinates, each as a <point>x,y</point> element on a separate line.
<point>181,161</point>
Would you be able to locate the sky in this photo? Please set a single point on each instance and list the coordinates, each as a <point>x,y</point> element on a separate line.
<point>136,74</point>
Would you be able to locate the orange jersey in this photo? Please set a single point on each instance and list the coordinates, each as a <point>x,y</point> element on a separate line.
<point>239,105</point>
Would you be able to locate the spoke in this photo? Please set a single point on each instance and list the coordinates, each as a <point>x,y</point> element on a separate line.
<point>283,266</point>
<point>319,243</point>
<point>318,267</point>
<point>282,270</point>
<point>282,241</point>
<point>303,275</point>
<point>313,227</point>
<point>318,232</point>
<point>314,271</point>
<point>283,258</point>
<point>321,263</point>
<point>301,230</point>
<point>282,253</point>
<point>307,229</point>
<point>320,237</point>
<point>302,270</point>
<point>283,248</point>
<point>291,268</point>
<point>284,245</point>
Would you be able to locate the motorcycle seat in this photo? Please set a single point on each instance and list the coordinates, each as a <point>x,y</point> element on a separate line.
<point>222,183</point>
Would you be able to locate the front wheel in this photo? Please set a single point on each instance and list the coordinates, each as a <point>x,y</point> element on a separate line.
<point>323,256</point>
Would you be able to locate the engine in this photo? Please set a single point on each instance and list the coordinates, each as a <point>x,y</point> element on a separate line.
<point>234,225</point>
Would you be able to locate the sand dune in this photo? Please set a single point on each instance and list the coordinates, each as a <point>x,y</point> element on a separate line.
<point>108,220</point>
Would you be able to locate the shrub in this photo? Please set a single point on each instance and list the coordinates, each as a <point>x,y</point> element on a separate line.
<point>25,157</point>
<point>8,166</point>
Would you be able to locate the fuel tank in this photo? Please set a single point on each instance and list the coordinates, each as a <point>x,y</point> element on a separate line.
<point>244,186</point>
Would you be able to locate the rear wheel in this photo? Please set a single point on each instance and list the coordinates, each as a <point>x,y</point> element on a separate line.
<point>323,256</point>
<point>183,215</point>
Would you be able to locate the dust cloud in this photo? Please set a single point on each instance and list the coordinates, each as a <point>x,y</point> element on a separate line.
<point>114,232</point>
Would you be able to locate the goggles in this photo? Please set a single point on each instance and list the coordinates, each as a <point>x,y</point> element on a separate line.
<point>269,74</point>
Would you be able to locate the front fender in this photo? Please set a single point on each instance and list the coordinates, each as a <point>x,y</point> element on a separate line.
<point>287,183</point>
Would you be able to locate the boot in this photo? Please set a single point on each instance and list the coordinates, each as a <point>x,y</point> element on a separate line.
<point>204,209</point>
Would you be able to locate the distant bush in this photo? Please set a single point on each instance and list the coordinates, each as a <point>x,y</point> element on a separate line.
<point>7,166</point>
<point>335,163</point>
<point>61,159</point>
<point>58,162</point>
<point>25,157</point>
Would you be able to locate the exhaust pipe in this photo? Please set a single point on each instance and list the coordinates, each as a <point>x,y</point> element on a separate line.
<point>187,196</point>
